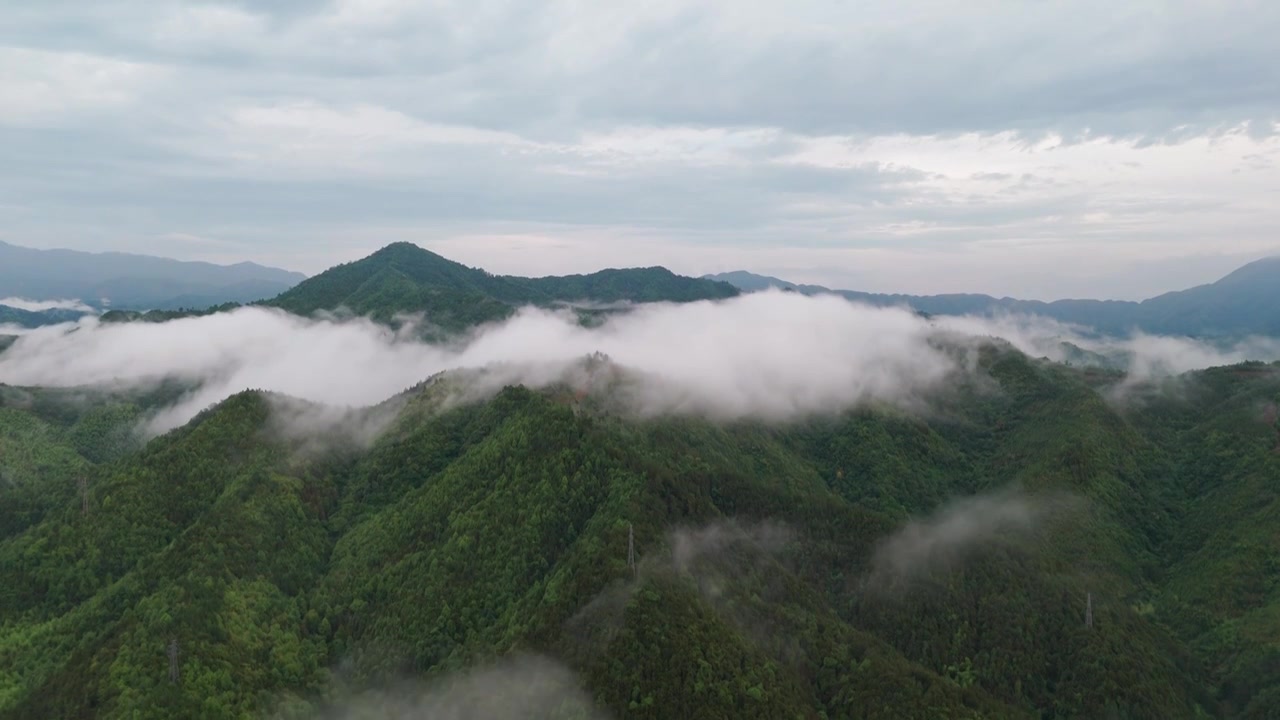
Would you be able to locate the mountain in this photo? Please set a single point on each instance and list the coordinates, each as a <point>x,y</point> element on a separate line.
<point>36,318</point>
<point>592,564</point>
<point>751,282</point>
<point>403,278</point>
<point>128,281</point>
<point>1245,302</point>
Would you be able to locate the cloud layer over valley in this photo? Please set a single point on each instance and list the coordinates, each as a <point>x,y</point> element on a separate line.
<point>41,305</point>
<point>772,355</point>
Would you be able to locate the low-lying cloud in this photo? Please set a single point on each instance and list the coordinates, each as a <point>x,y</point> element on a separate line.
<point>516,688</point>
<point>720,559</point>
<point>41,305</point>
<point>772,355</point>
<point>934,543</point>
<point>1141,356</point>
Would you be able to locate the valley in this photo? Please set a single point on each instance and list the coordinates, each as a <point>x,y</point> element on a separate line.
<point>940,558</point>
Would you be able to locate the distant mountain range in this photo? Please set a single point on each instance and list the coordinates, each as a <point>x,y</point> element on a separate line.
<point>1245,302</point>
<point>19,317</point>
<point>140,282</point>
<point>403,279</point>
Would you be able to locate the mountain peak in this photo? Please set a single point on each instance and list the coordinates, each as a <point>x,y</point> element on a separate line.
<point>403,247</point>
<point>751,282</point>
<point>405,278</point>
<point>1266,269</point>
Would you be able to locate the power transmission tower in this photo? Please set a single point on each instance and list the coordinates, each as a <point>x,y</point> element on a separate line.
<point>631,548</point>
<point>1088,610</point>
<point>82,483</point>
<point>173,660</point>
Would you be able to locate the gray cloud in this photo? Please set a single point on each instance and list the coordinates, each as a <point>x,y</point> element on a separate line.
<point>823,67</point>
<point>261,127</point>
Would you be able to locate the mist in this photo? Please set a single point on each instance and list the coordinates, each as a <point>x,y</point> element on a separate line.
<point>1140,356</point>
<point>516,688</point>
<point>41,305</point>
<point>926,545</point>
<point>769,355</point>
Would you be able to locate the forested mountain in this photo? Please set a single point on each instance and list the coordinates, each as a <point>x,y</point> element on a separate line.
<point>404,278</point>
<point>18,317</point>
<point>1245,302</point>
<point>478,555</point>
<point>127,281</point>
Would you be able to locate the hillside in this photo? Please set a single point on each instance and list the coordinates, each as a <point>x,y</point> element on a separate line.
<point>778,573</point>
<point>18,317</point>
<point>1245,302</point>
<point>403,278</point>
<point>139,282</point>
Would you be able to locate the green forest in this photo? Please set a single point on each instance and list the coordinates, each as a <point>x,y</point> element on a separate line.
<point>540,554</point>
<point>402,279</point>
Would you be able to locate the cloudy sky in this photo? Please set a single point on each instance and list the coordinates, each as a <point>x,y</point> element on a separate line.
<point>1038,149</point>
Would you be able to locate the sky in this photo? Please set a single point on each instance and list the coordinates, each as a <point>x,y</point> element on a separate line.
<point>1034,149</point>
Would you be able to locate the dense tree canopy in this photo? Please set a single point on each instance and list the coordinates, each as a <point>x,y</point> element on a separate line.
<point>781,570</point>
<point>403,278</point>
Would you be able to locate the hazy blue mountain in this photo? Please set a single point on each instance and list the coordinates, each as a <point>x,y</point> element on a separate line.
<point>751,282</point>
<point>1245,302</point>
<point>125,280</point>
<point>36,318</point>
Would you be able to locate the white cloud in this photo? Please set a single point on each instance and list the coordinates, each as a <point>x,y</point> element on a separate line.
<point>773,355</point>
<point>926,545</point>
<point>39,87</point>
<point>39,305</point>
<point>200,27</point>
<point>517,686</point>
<point>1119,192</point>
<point>312,140</point>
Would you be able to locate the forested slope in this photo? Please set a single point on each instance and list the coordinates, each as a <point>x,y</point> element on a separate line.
<point>1222,588</point>
<point>821,568</point>
<point>403,278</point>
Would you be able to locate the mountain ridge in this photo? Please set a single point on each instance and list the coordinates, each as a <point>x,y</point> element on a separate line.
<point>468,532</point>
<point>1244,302</point>
<point>403,278</point>
<point>133,281</point>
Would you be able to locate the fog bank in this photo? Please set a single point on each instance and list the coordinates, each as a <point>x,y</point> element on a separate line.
<point>41,305</point>
<point>772,355</point>
<point>933,543</point>
<point>515,688</point>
